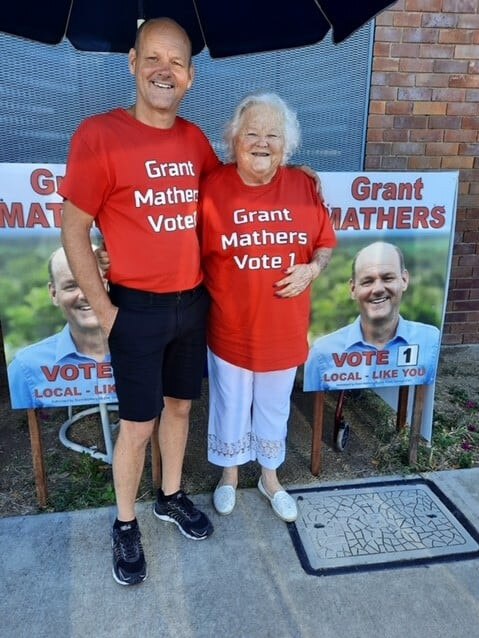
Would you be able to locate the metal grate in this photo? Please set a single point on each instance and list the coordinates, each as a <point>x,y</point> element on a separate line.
<point>46,91</point>
<point>378,525</point>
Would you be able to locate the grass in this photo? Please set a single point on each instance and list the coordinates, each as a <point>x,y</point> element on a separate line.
<point>454,445</point>
<point>78,481</point>
<point>81,482</point>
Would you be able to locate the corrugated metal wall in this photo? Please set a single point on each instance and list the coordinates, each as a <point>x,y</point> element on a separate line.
<point>45,91</point>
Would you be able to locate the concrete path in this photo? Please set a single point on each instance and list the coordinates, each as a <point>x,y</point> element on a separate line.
<point>245,581</point>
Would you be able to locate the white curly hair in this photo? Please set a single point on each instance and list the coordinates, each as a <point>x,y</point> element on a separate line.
<point>291,129</point>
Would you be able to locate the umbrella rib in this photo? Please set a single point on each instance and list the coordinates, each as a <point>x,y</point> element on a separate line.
<point>141,13</point>
<point>322,12</point>
<point>67,24</point>
<point>199,22</point>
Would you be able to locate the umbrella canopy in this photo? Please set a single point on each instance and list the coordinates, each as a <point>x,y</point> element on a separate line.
<point>225,27</point>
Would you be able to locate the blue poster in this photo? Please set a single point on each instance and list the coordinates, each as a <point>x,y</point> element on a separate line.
<point>378,309</point>
<point>56,352</point>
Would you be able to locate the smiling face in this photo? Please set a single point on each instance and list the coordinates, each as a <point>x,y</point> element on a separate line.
<point>259,145</point>
<point>162,68</point>
<point>66,295</point>
<point>378,284</point>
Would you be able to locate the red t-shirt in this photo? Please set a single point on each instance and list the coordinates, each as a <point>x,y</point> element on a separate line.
<point>249,235</point>
<point>141,184</point>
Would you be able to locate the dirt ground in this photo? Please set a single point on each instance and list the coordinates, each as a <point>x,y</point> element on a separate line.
<point>458,373</point>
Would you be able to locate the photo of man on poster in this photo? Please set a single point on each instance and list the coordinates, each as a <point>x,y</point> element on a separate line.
<point>380,347</point>
<point>71,366</point>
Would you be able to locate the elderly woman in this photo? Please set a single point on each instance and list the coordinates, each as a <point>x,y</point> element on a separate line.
<point>265,238</point>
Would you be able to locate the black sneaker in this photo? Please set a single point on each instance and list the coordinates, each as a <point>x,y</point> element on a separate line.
<point>129,566</point>
<point>178,509</point>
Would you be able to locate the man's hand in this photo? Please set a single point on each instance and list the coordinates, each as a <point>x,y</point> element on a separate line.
<point>311,173</point>
<point>108,319</point>
<point>76,225</point>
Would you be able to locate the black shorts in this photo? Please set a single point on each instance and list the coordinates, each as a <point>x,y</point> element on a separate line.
<point>158,348</point>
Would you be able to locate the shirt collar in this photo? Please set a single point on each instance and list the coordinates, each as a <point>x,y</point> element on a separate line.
<point>354,335</point>
<point>65,346</point>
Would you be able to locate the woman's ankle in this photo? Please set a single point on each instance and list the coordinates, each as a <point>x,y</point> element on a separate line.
<point>270,481</point>
<point>229,476</point>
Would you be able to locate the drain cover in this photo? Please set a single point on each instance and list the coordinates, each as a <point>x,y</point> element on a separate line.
<point>378,525</point>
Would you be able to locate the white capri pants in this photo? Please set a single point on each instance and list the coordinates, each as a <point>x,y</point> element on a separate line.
<point>248,414</point>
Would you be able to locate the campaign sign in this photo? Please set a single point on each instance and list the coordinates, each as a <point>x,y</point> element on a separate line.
<point>55,350</point>
<point>378,309</point>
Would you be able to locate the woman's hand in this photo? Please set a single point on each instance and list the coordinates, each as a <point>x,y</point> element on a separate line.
<point>103,259</point>
<point>298,278</point>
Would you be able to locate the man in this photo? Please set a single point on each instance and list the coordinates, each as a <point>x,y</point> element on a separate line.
<point>137,173</point>
<point>71,366</point>
<point>380,348</point>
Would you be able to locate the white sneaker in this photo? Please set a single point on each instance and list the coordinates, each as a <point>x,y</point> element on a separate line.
<point>224,499</point>
<point>284,505</point>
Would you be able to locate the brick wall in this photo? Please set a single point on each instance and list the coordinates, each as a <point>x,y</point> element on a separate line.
<point>424,114</point>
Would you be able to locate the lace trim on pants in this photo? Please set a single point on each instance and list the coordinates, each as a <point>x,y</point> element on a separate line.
<point>264,448</point>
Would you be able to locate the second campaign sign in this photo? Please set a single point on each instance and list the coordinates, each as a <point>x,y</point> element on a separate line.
<point>378,309</point>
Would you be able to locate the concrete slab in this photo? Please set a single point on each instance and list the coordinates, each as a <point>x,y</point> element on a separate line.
<point>245,581</point>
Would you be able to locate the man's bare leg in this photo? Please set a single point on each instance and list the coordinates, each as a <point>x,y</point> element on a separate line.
<point>170,506</point>
<point>128,464</point>
<point>173,435</point>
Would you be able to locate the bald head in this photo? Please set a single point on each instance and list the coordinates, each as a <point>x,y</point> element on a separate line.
<point>57,262</point>
<point>162,26</point>
<point>378,252</point>
<point>66,294</point>
<point>378,282</point>
<point>163,70</point>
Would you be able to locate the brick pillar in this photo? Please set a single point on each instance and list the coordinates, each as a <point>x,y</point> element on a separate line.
<point>424,114</point>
